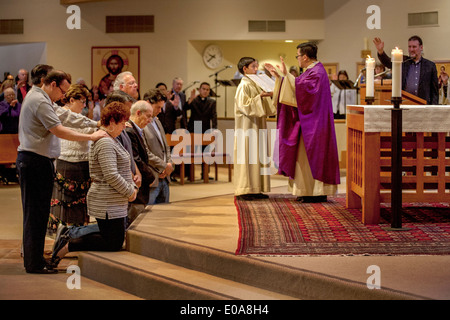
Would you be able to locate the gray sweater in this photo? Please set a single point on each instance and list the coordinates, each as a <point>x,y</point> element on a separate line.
<point>112,183</point>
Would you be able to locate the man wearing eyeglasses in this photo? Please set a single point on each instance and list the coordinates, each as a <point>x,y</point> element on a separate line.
<point>307,139</point>
<point>126,82</point>
<point>39,130</point>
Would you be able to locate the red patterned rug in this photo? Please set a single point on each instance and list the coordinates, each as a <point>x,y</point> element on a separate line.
<point>282,226</point>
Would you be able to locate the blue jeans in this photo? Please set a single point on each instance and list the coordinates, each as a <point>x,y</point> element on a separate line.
<point>78,232</point>
<point>160,193</point>
<point>110,237</point>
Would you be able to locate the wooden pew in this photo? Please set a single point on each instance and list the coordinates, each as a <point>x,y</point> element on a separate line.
<point>8,148</point>
<point>8,153</point>
<point>197,157</point>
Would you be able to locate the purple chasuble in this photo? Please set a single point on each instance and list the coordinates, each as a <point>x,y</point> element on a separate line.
<point>314,120</point>
<point>288,139</point>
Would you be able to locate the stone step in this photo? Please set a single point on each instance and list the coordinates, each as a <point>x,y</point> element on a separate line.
<point>284,280</point>
<point>156,280</point>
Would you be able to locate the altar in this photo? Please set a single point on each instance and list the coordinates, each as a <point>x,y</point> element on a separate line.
<point>425,156</point>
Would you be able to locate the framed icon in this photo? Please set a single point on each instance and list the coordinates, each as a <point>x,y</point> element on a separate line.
<point>108,62</point>
<point>332,69</point>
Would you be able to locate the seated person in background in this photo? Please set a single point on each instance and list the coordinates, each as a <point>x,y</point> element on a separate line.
<point>380,70</point>
<point>9,112</point>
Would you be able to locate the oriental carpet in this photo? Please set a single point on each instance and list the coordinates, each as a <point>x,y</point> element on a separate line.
<point>282,226</point>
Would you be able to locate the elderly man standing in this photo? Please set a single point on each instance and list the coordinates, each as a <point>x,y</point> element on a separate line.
<point>39,130</point>
<point>126,82</point>
<point>141,116</point>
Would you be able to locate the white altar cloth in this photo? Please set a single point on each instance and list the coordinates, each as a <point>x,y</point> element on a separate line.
<point>430,118</point>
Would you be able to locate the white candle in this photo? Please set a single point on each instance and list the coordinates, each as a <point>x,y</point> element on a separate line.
<point>397,60</point>
<point>370,74</point>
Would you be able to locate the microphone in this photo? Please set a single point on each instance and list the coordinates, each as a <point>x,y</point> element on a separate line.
<point>409,58</point>
<point>190,85</point>
<point>359,77</point>
<point>382,73</point>
<point>230,66</point>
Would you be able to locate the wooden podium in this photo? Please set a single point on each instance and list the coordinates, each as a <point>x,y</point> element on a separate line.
<point>383,95</point>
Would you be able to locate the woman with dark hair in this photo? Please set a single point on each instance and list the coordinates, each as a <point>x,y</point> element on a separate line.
<point>111,189</point>
<point>72,181</point>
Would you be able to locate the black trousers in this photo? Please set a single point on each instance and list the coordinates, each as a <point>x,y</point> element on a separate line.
<point>109,238</point>
<point>36,176</point>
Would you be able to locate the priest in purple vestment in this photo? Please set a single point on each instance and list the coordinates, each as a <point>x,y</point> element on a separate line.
<point>306,134</point>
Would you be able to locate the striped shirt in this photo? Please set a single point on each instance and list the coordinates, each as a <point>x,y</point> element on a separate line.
<point>112,183</point>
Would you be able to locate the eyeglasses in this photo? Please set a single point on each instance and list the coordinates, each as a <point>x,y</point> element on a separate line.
<point>62,91</point>
<point>131,83</point>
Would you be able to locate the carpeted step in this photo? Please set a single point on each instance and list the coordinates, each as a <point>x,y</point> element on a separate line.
<point>156,280</point>
<point>290,281</point>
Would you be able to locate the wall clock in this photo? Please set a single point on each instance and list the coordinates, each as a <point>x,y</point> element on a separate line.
<point>212,56</point>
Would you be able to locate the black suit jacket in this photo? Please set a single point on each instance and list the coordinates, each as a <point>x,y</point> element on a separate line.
<point>171,114</point>
<point>140,155</point>
<point>428,82</point>
<point>20,96</point>
<point>203,110</point>
<point>170,117</point>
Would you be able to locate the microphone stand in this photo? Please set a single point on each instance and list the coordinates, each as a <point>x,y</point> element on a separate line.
<point>216,81</point>
<point>190,85</point>
<point>359,77</point>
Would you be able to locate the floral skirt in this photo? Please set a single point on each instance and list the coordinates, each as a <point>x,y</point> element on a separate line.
<point>70,188</point>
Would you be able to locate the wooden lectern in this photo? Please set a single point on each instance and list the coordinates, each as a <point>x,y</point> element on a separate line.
<point>383,95</point>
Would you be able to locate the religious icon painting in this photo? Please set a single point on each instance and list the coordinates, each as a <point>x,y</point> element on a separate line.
<point>332,69</point>
<point>108,62</point>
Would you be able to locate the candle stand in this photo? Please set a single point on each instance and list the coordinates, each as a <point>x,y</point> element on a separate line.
<point>370,100</point>
<point>396,166</point>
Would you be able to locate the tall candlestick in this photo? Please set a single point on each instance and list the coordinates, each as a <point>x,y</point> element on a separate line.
<point>397,60</point>
<point>370,74</point>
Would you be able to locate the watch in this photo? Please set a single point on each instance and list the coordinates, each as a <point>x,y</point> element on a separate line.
<point>212,56</point>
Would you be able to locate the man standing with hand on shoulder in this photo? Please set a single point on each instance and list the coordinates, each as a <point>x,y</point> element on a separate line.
<point>39,133</point>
